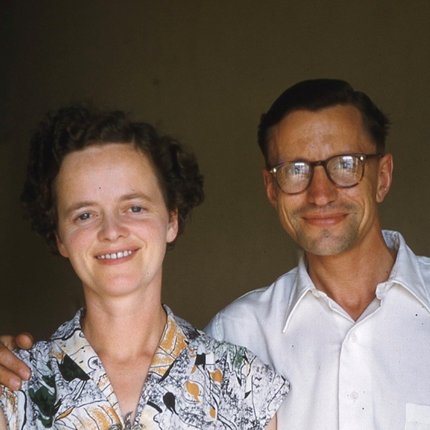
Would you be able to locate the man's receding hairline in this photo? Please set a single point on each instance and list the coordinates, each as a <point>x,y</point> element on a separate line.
<point>272,129</point>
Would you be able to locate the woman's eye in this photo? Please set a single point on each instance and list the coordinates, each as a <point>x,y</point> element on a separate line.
<point>84,216</point>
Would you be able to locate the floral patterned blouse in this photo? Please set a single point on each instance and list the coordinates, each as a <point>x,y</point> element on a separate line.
<point>194,382</point>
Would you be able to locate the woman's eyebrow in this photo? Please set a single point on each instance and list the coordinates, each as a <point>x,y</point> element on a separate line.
<point>133,196</point>
<point>78,205</point>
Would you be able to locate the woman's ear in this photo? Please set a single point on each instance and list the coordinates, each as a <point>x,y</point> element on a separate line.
<point>173,226</point>
<point>61,248</point>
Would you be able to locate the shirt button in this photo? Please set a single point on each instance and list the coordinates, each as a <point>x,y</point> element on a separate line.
<point>354,395</point>
<point>353,338</point>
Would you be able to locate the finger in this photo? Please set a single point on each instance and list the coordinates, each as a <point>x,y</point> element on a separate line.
<point>12,369</point>
<point>9,380</point>
<point>8,341</point>
<point>24,340</point>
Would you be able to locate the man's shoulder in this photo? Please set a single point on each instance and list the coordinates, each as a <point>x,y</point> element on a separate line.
<point>424,262</point>
<point>423,268</point>
<point>410,270</point>
<point>254,301</point>
<point>222,352</point>
<point>254,311</point>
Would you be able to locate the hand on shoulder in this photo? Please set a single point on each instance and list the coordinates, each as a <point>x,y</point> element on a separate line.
<point>12,370</point>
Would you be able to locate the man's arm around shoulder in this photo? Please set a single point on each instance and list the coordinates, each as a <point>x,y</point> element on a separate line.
<point>12,370</point>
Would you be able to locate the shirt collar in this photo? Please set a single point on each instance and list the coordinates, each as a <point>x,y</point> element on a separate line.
<point>77,359</point>
<point>405,272</point>
<point>301,286</point>
<point>173,342</point>
<point>71,340</point>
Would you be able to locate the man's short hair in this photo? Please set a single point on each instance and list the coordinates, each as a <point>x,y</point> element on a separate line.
<point>316,94</point>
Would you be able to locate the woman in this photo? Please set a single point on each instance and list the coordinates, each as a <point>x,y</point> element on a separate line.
<point>110,195</point>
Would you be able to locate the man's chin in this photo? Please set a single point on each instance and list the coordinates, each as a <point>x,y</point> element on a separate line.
<point>327,244</point>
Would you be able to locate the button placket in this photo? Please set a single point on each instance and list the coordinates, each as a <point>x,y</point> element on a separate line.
<point>353,383</point>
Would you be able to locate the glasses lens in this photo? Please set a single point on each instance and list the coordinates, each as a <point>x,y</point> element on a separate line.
<point>345,170</point>
<point>294,177</point>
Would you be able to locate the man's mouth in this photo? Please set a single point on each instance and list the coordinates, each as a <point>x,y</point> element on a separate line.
<point>324,219</point>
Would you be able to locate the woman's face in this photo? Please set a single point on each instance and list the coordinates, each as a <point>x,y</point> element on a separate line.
<point>113,224</point>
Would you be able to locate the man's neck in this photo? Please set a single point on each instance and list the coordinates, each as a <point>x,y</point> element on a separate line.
<point>351,277</point>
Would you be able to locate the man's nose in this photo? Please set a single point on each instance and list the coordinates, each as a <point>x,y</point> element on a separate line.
<point>321,190</point>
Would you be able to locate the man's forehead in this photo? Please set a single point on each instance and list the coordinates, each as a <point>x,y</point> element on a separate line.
<point>340,126</point>
<point>329,117</point>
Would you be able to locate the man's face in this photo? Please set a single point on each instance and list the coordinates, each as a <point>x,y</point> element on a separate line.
<point>325,219</point>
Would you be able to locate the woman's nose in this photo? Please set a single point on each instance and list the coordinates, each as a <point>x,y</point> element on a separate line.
<point>112,228</point>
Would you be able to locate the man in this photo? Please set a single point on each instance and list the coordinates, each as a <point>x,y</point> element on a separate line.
<point>350,325</point>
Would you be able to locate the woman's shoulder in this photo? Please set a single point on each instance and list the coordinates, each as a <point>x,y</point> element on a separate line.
<point>39,353</point>
<point>201,342</point>
<point>249,389</point>
<point>234,360</point>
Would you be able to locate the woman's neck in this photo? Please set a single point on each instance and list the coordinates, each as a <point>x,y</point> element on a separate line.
<point>125,337</point>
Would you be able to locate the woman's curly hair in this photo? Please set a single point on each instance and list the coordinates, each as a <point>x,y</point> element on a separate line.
<point>75,127</point>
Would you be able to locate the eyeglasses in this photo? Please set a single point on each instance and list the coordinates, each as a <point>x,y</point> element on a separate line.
<point>345,171</point>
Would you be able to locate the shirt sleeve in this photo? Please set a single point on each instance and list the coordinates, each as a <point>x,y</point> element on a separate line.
<point>16,406</point>
<point>12,405</point>
<point>214,328</point>
<point>269,390</point>
<point>255,394</point>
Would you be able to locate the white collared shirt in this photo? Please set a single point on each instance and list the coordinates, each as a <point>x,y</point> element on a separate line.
<point>373,373</point>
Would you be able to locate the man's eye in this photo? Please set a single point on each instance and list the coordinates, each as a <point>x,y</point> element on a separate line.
<point>299,169</point>
<point>345,164</point>
<point>136,209</point>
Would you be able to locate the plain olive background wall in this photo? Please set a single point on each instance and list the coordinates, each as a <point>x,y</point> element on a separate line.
<point>203,71</point>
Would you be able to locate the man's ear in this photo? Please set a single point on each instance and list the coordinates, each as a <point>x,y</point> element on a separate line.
<point>61,248</point>
<point>173,226</point>
<point>385,177</point>
<point>271,188</point>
